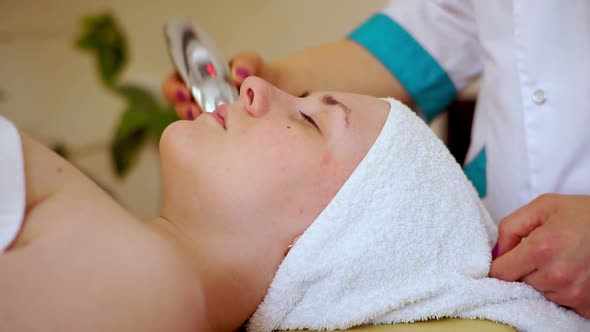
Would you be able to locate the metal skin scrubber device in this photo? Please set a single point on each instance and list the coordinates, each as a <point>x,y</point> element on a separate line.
<point>204,71</point>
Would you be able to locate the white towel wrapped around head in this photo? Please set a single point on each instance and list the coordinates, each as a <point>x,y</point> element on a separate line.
<point>405,239</point>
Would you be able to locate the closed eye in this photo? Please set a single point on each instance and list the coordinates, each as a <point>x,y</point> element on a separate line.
<point>310,120</point>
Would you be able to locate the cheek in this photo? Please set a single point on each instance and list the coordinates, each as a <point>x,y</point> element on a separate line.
<point>326,178</point>
<point>332,174</point>
<point>316,193</point>
<point>280,149</point>
<point>281,165</point>
<point>327,159</point>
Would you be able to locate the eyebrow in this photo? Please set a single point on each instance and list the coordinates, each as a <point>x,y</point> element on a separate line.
<point>329,101</point>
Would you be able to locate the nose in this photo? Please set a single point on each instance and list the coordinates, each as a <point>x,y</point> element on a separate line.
<point>257,95</point>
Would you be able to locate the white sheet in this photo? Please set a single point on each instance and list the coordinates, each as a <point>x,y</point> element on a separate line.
<point>12,183</point>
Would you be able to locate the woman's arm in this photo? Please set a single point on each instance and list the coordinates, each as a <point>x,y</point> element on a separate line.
<point>340,66</point>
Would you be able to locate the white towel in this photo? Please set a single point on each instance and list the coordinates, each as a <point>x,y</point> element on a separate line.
<point>405,239</point>
<point>12,183</point>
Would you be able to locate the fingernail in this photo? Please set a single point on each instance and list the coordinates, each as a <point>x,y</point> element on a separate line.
<point>189,113</point>
<point>495,251</point>
<point>180,95</point>
<point>242,73</point>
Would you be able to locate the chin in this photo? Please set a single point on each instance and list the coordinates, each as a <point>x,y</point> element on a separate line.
<point>173,147</point>
<point>179,142</point>
<point>174,133</point>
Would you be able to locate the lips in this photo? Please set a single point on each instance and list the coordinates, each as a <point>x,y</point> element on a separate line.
<point>220,115</point>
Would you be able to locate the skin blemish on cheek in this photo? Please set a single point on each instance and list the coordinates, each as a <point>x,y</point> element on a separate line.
<point>288,127</point>
<point>300,211</point>
<point>326,159</point>
<point>59,170</point>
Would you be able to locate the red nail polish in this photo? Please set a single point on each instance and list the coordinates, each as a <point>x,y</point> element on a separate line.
<point>242,73</point>
<point>495,251</point>
<point>180,96</point>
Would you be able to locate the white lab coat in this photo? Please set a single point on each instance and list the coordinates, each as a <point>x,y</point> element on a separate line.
<point>531,127</point>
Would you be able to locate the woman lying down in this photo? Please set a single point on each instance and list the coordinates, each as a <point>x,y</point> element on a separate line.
<point>323,212</point>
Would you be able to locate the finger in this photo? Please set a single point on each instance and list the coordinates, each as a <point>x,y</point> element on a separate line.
<point>557,298</point>
<point>570,300</point>
<point>513,265</point>
<point>539,281</point>
<point>187,110</point>
<point>584,312</point>
<point>553,275</point>
<point>553,297</point>
<point>523,221</point>
<point>175,90</point>
<point>246,64</point>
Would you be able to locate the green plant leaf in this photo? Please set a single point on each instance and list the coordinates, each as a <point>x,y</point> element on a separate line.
<point>103,38</point>
<point>142,119</point>
<point>159,121</point>
<point>138,98</point>
<point>130,136</point>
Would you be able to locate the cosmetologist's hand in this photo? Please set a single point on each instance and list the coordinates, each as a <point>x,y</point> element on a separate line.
<point>546,244</point>
<point>241,66</point>
<point>178,94</point>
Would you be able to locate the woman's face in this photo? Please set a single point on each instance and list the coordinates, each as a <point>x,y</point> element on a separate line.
<point>269,163</point>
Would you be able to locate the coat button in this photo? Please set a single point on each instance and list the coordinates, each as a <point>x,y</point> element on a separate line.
<point>539,97</point>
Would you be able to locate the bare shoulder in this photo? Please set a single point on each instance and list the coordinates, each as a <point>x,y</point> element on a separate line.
<point>45,171</point>
<point>117,279</point>
<point>83,263</point>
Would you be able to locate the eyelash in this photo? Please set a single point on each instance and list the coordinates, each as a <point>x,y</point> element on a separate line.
<point>309,119</point>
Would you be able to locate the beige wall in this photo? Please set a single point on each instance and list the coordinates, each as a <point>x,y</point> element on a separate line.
<point>51,90</point>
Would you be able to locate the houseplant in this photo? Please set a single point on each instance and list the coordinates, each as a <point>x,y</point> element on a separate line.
<point>144,118</point>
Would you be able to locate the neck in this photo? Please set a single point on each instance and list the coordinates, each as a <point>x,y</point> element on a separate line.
<point>234,274</point>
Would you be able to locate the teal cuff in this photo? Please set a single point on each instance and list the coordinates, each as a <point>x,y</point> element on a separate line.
<point>425,80</point>
<point>476,173</point>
